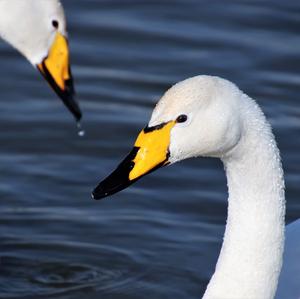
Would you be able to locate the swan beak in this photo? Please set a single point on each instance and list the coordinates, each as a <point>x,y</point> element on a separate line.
<point>56,69</point>
<point>151,151</point>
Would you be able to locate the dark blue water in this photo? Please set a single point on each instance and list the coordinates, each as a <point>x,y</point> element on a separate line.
<point>160,238</point>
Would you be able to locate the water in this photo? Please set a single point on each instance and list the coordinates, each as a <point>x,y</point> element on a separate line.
<point>160,238</point>
<point>80,131</point>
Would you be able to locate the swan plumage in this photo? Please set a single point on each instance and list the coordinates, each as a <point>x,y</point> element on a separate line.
<point>207,116</point>
<point>37,29</point>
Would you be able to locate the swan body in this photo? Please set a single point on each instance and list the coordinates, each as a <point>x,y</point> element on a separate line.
<point>208,116</point>
<point>289,282</point>
<point>37,29</point>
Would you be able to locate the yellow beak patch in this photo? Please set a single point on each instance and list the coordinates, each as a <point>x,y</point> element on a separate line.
<point>153,150</point>
<point>57,62</point>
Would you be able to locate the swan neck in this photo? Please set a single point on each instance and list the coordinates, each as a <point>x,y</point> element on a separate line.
<point>250,260</point>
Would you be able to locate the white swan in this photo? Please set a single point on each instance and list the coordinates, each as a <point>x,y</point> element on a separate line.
<point>37,29</point>
<point>210,117</point>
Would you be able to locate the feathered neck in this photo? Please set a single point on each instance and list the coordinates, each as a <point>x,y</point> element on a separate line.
<point>251,256</point>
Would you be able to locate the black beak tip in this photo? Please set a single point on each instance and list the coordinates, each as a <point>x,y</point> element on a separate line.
<point>118,179</point>
<point>108,187</point>
<point>68,97</point>
<point>98,193</point>
<point>70,102</point>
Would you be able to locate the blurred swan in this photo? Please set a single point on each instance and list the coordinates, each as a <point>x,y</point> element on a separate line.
<point>208,116</point>
<point>37,29</point>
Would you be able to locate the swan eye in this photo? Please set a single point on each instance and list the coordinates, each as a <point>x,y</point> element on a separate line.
<point>181,118</point>
<point>55,24</point>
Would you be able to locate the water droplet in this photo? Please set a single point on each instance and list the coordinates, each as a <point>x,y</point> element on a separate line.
<point>81,132</point>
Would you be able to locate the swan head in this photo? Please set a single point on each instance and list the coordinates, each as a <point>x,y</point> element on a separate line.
<point>37,29</point>
<point>196,117</point>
